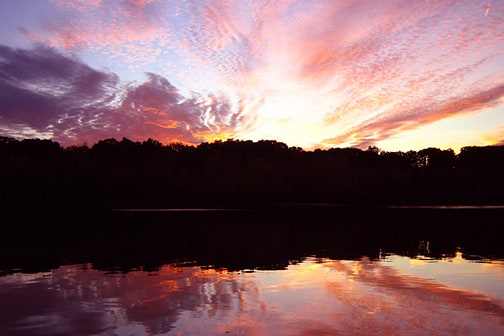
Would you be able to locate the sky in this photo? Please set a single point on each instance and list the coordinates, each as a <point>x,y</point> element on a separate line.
<point>399,75</point>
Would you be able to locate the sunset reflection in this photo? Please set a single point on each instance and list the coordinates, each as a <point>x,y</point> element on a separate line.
<point>392,295</point>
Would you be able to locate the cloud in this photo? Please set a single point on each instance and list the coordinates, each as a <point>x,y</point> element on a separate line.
<point>40,85</point>
<point>364,71</point>
<point>156,109</point>
<point>80,5</point>
<point>131,30</point>
<point>46,93</point>
<point>385,126</point>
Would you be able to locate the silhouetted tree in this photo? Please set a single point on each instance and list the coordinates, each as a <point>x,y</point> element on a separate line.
<point>126,173</point>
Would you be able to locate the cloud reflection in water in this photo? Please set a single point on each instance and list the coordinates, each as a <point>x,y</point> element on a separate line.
<point>362,297</point>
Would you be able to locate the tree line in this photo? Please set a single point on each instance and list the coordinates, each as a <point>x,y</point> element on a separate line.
<point>41,174</point>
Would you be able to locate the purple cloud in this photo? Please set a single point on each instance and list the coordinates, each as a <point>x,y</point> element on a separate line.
<point>45,93</point>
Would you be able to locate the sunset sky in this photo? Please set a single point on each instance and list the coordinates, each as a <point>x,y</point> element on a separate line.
<point>395,74</point>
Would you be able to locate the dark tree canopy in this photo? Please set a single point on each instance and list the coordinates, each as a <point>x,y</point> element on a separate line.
<point>124,173</point>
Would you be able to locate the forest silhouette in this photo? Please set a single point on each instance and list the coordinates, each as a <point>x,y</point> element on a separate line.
<point>112,174</point>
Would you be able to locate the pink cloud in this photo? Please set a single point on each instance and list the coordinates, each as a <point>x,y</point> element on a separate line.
<point>127,30</point>
<point>381,128</point>
<point>79,5</point>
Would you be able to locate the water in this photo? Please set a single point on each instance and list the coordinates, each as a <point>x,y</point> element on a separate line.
<point>393,295</point>
<point>295,271</point>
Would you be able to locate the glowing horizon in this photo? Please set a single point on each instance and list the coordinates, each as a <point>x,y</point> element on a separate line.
<point>399,75</point>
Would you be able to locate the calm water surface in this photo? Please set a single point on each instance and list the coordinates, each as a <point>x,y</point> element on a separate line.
<point>392,295</point>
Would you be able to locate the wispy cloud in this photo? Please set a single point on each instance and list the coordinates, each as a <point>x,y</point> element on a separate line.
<point>386,125</point>
<point>132,31</point>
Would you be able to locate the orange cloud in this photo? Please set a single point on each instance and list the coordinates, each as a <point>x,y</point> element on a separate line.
<point>382,128</point>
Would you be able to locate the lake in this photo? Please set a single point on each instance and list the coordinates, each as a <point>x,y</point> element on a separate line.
<point>289,271</point>
<point>392,295</point>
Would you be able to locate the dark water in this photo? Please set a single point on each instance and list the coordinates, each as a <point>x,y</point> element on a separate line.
<point>286,270</point>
